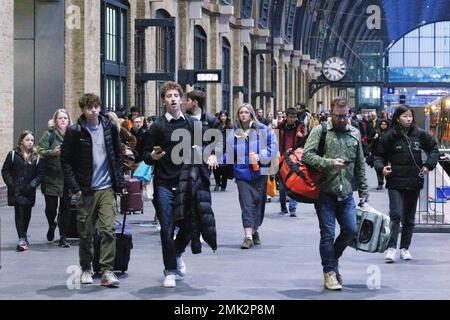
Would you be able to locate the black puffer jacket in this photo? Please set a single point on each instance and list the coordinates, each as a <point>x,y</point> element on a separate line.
<point>192,209</point>
<point>76,156</point>
<point>22,178</point>
<point>399,151</point>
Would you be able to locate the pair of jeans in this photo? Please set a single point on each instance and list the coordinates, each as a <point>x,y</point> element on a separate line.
<point>292,202</point>
<point>63,212</point>
<point>22,217</point>
<point>165,196</point>
<point>402,208</point>
<point>328,210</point>
<point>97,210</point>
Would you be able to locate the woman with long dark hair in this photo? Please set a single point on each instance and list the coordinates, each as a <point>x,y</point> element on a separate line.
<point>22,172</point>
<point>224,171</point>
<point>399,159</point>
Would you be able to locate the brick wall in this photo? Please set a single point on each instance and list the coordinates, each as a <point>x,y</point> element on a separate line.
<point>6,83</point>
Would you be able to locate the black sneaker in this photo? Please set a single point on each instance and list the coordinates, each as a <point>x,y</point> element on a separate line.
<point>222,189</point>
<point>51,232</point>
<point>63,243</point>
<point>380,187</point>
<point>256,239</point>
<point>292,214</point>
<point>216,188</point>
<point>284,210</point>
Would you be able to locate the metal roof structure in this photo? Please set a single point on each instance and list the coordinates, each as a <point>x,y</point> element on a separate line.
<point>334,27</point>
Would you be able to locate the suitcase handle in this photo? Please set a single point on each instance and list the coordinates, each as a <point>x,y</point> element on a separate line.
<point>124,214</point>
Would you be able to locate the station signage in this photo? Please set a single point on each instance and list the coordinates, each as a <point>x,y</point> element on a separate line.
<point>195,76</point>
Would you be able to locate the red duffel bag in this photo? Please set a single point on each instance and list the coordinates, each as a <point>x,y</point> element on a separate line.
<point>302,182</point>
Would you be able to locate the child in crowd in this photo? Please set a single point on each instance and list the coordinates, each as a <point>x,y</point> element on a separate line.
<point>22,172</point>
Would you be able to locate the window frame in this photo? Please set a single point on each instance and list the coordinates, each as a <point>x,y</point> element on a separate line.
<point>226,74</point>
<point>114,55</point>
<point>200,53</point>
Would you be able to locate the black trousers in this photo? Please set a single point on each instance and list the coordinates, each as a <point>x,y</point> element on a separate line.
<point>22,217</point>
<point>380,178</point>
<point>220,175</point>
<point>63,212</point>
<point>402,208</point>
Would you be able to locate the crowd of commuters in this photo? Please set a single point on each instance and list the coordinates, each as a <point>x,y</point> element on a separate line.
<point>88,162</point>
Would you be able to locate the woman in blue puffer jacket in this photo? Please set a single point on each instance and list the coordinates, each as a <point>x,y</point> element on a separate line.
<point>250,145</point>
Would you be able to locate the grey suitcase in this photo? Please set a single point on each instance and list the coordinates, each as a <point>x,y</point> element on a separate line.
<point>373,230</point>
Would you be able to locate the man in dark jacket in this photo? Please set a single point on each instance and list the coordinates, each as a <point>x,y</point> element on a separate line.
<point>198,178</point>
<point>291,135</point>
<point>195,106</point>
<point>158,152</point>
<point>91,161</point>
<point>260,116</point>
<point>138,131</point>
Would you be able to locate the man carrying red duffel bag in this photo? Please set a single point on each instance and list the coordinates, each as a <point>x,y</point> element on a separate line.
<point>342,159</point>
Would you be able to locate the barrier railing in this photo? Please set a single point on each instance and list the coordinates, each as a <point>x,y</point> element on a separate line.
<point>433,214</point>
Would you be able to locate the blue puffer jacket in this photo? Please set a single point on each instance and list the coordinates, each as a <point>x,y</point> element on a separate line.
<point>260,140</point>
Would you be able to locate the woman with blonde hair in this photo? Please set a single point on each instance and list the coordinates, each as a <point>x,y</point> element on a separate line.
<point>53,186</point>
<point>253,144</point>
<point>22,173</point>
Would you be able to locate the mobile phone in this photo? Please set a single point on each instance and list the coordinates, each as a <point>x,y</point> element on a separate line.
<point>157,149</point>
<point>347,162</point>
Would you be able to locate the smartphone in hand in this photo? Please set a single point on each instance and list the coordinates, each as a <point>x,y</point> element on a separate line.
<point>157,149</point>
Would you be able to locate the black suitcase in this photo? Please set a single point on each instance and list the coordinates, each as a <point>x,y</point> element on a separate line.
<point>72,231</point>
<point>124,244</point>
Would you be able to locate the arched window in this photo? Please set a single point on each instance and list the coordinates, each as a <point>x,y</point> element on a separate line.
<point>114,49</point>
<point>422,55</point>
<point>226,80</point>
<point>200,53</point>
<point>261,80</point>
<point>246,74</point>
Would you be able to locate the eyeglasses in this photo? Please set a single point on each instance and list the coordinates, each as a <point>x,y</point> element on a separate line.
<point>340,116</point>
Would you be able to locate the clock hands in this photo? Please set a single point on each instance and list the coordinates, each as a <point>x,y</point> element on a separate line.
<point>342,73</point>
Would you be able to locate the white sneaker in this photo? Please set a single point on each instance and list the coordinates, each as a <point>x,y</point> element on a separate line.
<point>169,281</point>
<point>390,255</point>
<point>109,279</point>
<point>405,255</point>
<point>181,268</point>
<point>86,277</point>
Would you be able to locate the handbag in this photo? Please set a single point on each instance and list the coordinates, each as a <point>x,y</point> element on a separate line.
<point>143,172</point>
<point>271,186</point>
<point>147,191</point>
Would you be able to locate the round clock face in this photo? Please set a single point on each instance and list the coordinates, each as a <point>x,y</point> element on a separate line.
<point>334,69</point>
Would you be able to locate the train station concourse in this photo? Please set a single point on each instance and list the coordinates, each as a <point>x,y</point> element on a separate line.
<point>356,93</point>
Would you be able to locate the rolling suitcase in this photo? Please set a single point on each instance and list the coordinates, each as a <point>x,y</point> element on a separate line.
<point>373,230</point>
<point>124,244</point>
<point>132,202</point>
